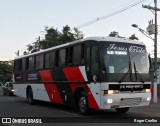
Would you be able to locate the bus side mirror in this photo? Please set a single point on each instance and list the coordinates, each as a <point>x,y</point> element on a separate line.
<point>104,70</point>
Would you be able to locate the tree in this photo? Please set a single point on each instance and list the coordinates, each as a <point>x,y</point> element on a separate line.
<point>51,38</point>
<point>77,34</point>
<point>133,37</point>
<point>34,47</point>
<point>54,37</point>
<point>5,70</point>
<point>115,34</point>
<point>66,35</point>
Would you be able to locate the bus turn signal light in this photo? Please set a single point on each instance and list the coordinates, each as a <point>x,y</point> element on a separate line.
<point>111,91</point>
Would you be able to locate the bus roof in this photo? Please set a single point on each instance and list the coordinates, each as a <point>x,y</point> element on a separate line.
<point>98,39</point>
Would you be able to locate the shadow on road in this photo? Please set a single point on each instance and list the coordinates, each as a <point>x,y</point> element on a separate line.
<point>92,113</point>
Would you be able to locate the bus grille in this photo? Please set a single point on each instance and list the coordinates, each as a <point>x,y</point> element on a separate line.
<point>130,101</point>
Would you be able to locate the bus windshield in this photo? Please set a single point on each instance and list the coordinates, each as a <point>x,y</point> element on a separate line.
<point>122,57</point>
<point>139,58</point>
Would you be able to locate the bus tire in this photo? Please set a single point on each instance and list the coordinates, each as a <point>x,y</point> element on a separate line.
<point>30,96</point>
<point>122,110</point>
<point>83,103</point>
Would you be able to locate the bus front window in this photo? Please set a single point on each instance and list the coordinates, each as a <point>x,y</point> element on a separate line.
<point>115,58</point>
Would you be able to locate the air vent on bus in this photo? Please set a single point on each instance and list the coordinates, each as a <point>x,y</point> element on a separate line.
<point>130,101</point>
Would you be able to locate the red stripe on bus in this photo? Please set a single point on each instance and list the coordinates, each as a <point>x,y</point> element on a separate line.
<point>51,89</point>
<point>45,75</point>
<point>74,74</point>
<point>91,101</point>
<point>53,93</point>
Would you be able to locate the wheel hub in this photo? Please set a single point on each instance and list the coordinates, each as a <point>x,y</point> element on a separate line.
<point>82,103</point>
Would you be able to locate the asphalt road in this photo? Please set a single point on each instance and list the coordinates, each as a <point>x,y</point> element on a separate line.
<point>16,107</point>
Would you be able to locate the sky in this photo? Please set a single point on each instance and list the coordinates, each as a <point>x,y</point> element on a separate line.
<point>22,21</point>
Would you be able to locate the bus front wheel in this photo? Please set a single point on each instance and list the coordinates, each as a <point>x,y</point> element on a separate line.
<point>83,103</point>
<point>30,96</point>
<point>122,110</point>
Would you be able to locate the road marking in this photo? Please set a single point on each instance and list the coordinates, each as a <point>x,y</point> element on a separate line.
<point>70,113</point>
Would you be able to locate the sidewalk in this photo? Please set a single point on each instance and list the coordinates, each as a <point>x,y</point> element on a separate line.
<point>158,101</point>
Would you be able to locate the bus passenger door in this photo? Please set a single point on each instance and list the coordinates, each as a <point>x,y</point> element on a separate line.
<point>92,69</point>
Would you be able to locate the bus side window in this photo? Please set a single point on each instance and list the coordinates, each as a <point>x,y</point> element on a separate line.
<point>27,64</point>
<point>18,65</point>
<point>70,56</point>
<point>67,56</point>
<point>82,54</point>
<point>94,60</point>
<point>30,63</point>
<point>88,56</point>
<point>77,55</point>
<point>39,62</point>
<point>24,64</point>
<point>46,60</point>
<point>62,57</point>
<point>56,57</point>
<point>52,59</point>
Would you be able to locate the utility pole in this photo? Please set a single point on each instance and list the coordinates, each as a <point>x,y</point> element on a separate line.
<point>154,9</point>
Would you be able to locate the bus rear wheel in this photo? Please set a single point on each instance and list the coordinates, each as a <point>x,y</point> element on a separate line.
<point>122,110</point>
<point>30,96</point>
<point>83,103</point>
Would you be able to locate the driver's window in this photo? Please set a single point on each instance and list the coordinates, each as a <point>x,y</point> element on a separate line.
<point>94,60</point>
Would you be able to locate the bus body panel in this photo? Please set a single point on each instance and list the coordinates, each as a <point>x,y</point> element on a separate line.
<point>39,91</point>
<point>44,94</point>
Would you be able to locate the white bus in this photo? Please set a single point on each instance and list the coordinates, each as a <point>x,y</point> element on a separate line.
<point>92,73</point>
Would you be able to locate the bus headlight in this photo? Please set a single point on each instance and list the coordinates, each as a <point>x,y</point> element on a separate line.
<point>111,91</point>
<point>12,90</point>
<point>109,101</point>
<point>147,90</point>
<point>148,98</point>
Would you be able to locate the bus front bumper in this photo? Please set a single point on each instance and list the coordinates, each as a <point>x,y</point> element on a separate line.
<point>125,100</point>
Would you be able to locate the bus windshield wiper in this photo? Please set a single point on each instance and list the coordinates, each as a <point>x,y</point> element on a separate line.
<point>136,72</point>
<point>129,71</point>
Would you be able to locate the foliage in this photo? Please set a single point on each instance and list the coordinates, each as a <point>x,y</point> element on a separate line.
<point>5,70</point>
<point>54,37</point>
<point>115,34</point>
<point>133,37</point>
